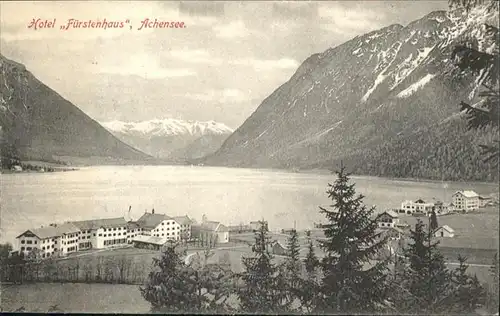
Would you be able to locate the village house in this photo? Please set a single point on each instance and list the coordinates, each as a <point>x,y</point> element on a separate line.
<point>387,219</point>
<point>102,233</point>
<point>186,226</point>
<point>17,168</point>
<point>418,206</point>
<point>211,230</point>
<point>444,231</point>
<point>466,200</point>
<point>485,201</point>
<point>279,249</point>
<point>53,240</point>
<point>159,225</point>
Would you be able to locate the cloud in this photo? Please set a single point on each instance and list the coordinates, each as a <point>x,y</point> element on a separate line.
<point>353,20</point>
<point>222,95</point>
<point>145,67</point>
<point>231,30</point>
<point>197,56</point>
<point>259,64</point>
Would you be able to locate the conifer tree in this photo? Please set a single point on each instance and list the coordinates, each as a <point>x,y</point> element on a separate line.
<point>292,269</point>
<point>351,242</point>
<point>425,279</point>
<point>310,285</point>
<point>166,288</point>
<point>468,294</point>
<point>261,292</point>
<point>485,113</point>
<point>433,221</point>
<point>492,295</point>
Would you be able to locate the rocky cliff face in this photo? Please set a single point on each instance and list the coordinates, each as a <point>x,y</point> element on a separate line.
<point>385,103</point>
<point>41,125</point>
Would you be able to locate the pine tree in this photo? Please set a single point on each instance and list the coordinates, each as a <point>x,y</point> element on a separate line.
<point>167,288</point>
<point>292,269</point>
<point>425,280</point>
<point>468,294</point>
<point>492,296</point>
<point>483,114</point>
<point>351,243</point>
<point>260,292</point>
<point>310,285</point>
<point>433,221</point>
<point>311,261</point>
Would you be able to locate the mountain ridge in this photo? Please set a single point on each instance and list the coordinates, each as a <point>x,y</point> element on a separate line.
<point>173,139</point>
<point>371,91</point>
<point>40,124</point>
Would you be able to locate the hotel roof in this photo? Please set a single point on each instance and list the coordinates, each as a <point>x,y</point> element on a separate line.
<point>149,220</point>
<point>183,220</point>
<point>53,231</point>
<point>98,223</point>
<point>468,194</point>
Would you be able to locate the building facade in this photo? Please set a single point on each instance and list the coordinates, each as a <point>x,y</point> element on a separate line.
<point>418,206</point>
<point>102,233</point>
<point>444,231</point>
<point>45,242</point>
<point>185,224</point>
<point>211,230</point>
<point>466,200</point>
<point>388,219</point>
<point>159,225</point>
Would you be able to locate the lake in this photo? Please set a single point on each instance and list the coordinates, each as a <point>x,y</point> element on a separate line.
<point>229,195</point>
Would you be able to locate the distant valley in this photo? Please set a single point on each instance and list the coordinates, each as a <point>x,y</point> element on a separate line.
<point>171,139</point>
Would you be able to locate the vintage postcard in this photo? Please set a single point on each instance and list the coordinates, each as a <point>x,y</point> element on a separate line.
<point>249,157</point>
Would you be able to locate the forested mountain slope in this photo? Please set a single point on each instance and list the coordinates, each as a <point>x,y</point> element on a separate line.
<point>386,103</point>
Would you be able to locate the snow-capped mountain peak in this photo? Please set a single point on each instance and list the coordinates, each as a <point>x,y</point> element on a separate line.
<point>167,127</point>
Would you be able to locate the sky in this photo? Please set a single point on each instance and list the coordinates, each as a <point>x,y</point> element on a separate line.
<point>227,59</point>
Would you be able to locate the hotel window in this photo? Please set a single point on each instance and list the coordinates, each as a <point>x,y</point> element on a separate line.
<point>114,228</point>
<point>29,248</point>
<point>94,234</point>
<point>35,242</point>
<point>104,235</point>
<point>22,241</point>
<point>29,242</point>
<point>22,248</point>
<point>162,223</point>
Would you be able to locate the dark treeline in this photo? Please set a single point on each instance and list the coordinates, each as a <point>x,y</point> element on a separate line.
<point>351,278</point>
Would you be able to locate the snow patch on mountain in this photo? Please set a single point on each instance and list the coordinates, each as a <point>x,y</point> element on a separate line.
<point>167,127</point>
<point>415,86</point>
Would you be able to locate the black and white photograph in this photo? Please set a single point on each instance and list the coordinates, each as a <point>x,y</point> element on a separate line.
<point>250,157</point>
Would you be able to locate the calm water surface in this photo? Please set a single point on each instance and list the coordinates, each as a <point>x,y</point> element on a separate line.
<point>232,196</point>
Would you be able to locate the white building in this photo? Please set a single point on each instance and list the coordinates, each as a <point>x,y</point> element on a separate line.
<point>485,201</point>
<point>444,231</point>
<point>102,233</point>
<point>210,230</point>
<point>387,219</point>
<point>186,226</point>
<point>418,206</point>
<point>159,225</point>
<point>53,240</point>
<point>466,200</point>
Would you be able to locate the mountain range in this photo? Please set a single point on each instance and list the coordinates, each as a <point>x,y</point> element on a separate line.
<point>385,104</point>
<point>39,124</point>
<point>171,139</point>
